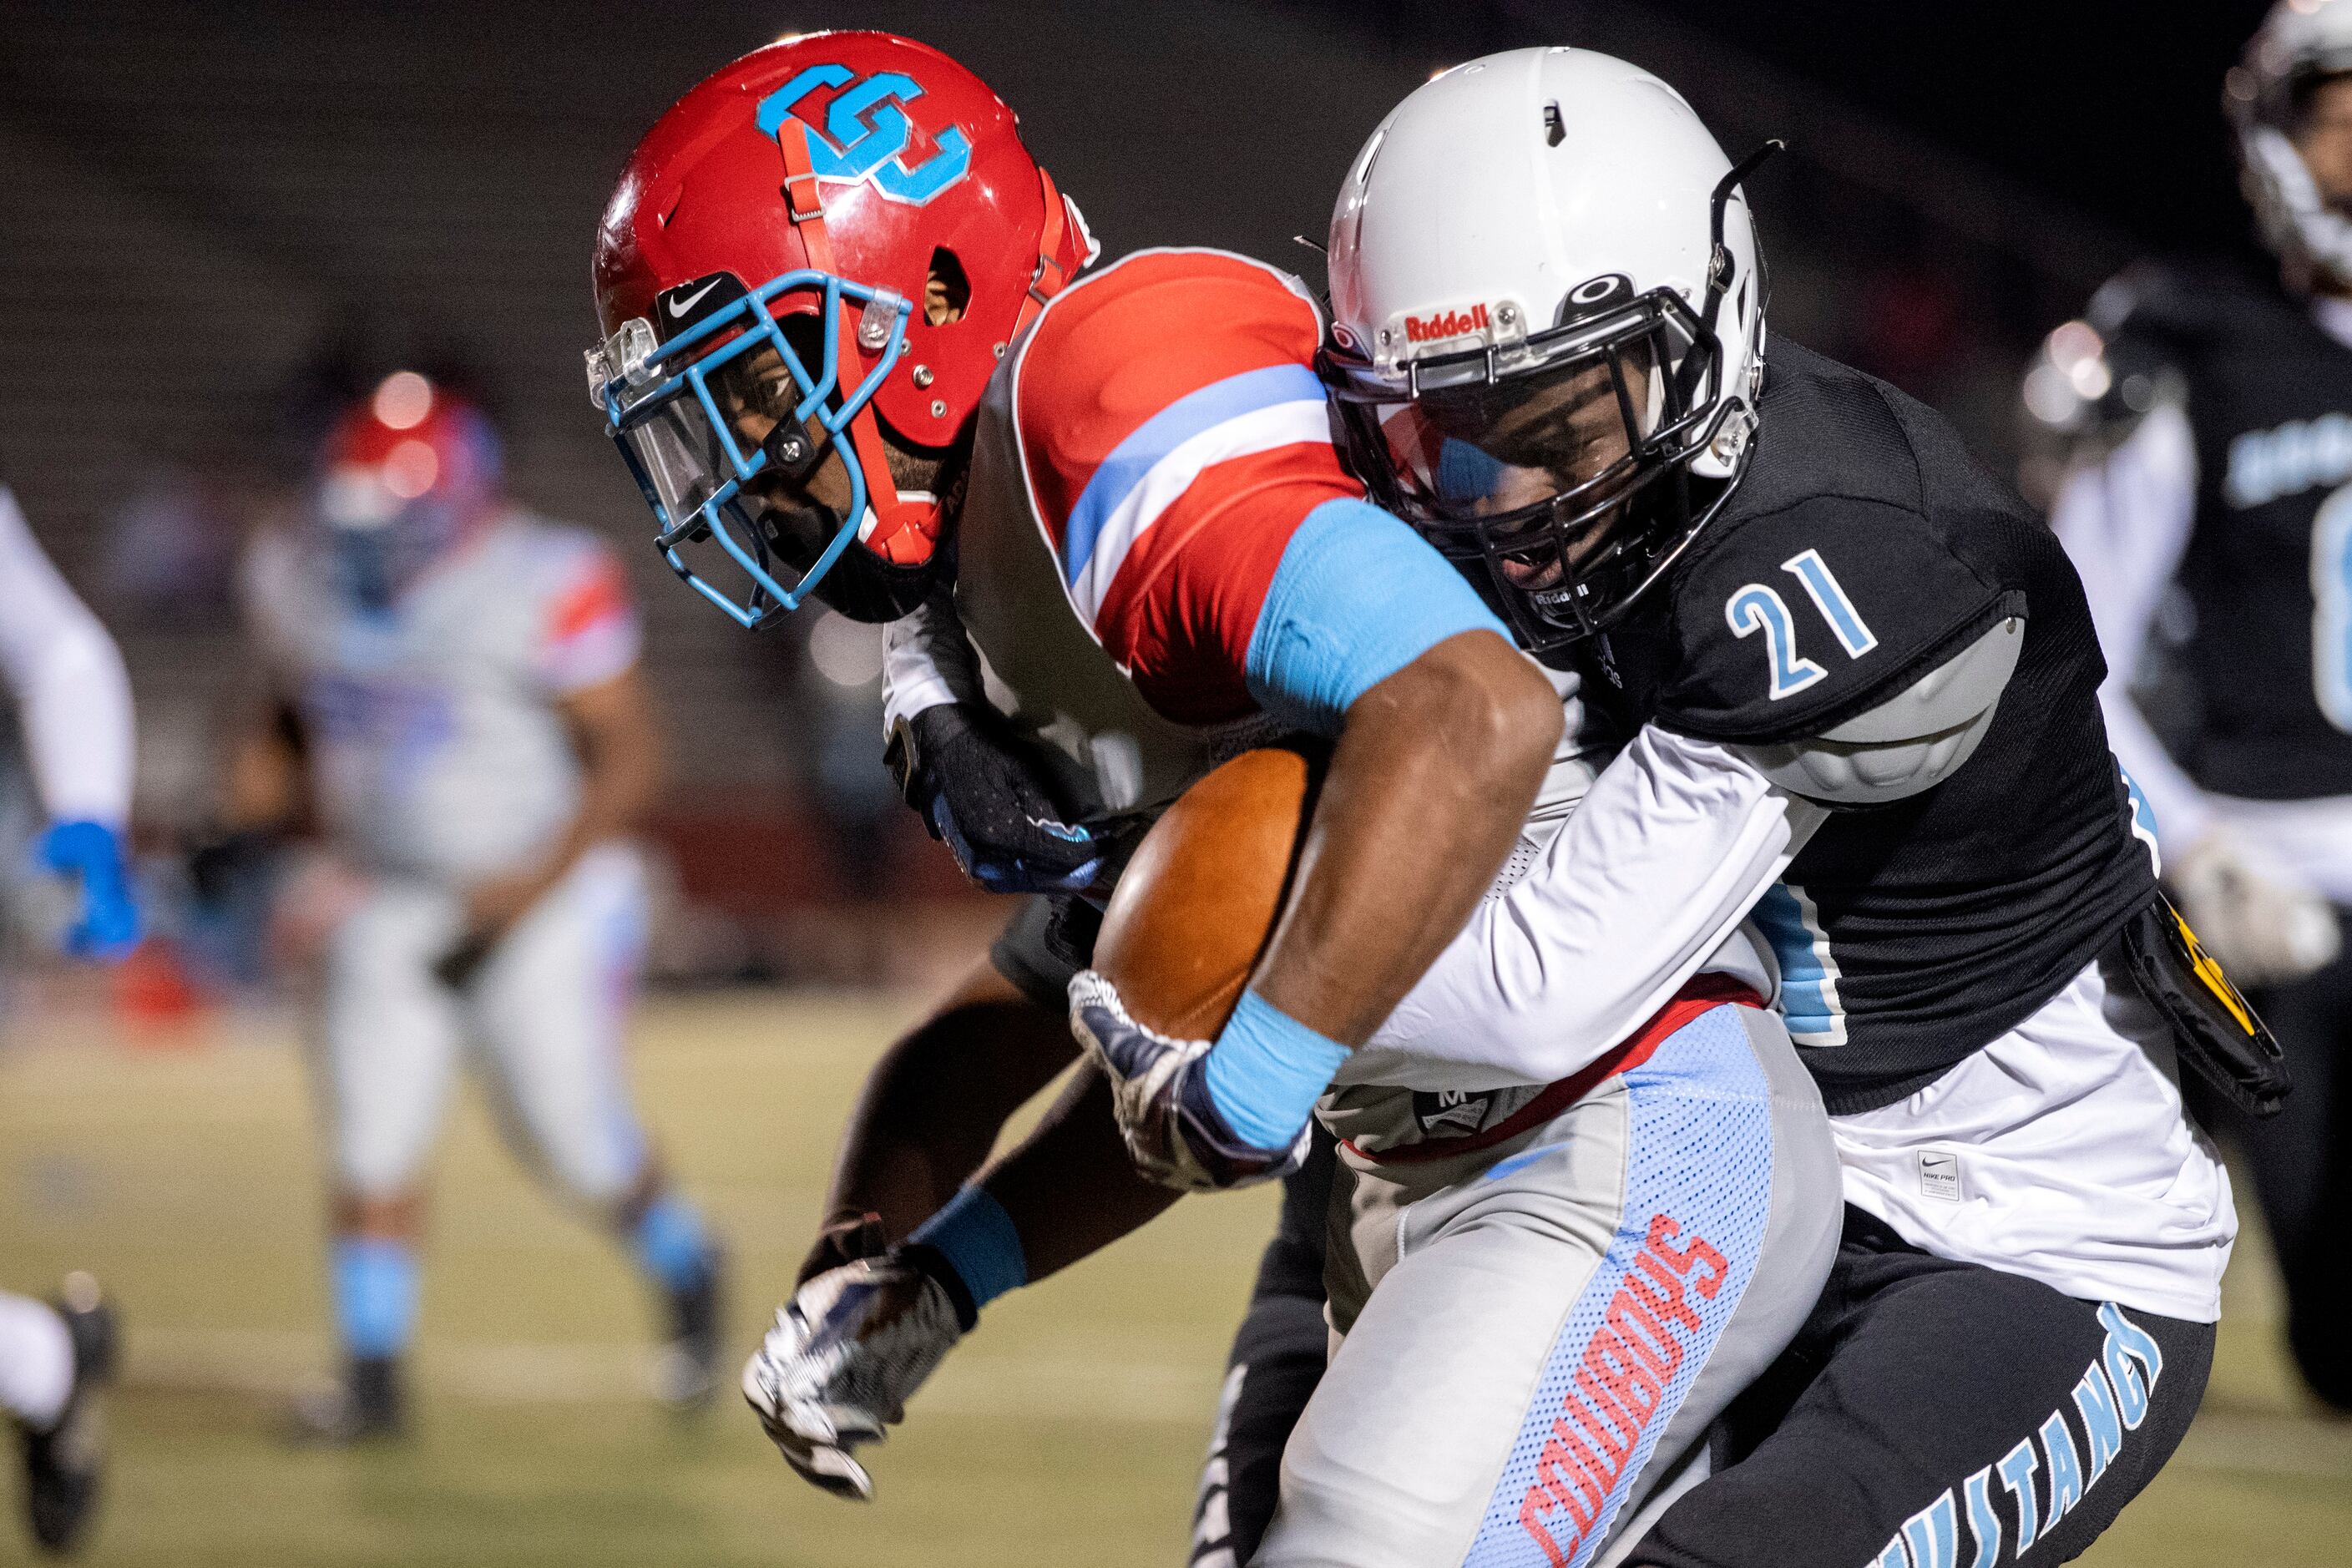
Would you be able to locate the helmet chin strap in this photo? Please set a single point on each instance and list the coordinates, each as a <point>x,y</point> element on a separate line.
<point>903,530</point>
<point>1050,275</point>
<point>1718,255</point>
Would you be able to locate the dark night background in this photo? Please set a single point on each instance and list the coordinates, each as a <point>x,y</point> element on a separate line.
<point>2110,106</point>
<point>216,215</point>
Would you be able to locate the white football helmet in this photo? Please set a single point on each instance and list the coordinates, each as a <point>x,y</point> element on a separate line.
<point>2298,43</point>
<point>1548,321</point>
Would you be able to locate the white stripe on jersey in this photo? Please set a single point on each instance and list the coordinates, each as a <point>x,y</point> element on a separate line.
<point>1261,430</point>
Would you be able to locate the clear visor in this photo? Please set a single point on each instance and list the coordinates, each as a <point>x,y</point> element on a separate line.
<point>687,453</point>
<point>726,426</point>
<point>1551,470</point>
<point>1481,451</point>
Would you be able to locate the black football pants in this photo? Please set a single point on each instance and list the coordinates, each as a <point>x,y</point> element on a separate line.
<point>1940,1415</point>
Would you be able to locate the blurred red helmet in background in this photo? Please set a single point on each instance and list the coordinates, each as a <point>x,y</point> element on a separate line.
<point>405,475</point>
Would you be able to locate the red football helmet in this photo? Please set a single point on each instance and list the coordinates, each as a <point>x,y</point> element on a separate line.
<point>800,201</point>
<point>406,475</point>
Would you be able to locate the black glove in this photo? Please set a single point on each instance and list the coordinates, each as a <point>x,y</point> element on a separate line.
<point>967,777</point>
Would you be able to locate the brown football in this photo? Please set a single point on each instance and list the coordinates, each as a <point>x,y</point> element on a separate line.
<point>1195,905</point>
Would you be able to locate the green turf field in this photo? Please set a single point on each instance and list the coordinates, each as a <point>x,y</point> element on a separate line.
<point>1065,1433</point>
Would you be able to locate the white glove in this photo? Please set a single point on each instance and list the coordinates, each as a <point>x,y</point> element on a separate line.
<point>2261,920</point>
<point>847,1352</point>
<point>1173,1133</point>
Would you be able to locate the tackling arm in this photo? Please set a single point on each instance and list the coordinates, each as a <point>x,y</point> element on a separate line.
<point>1665,857</point>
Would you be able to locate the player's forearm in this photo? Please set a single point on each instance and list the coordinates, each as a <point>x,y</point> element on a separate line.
<point>265,787</point>
<point>615,800</point>
<point>1069,1187</point>
<point>932,1107</point>
<point>1665,857</point>
<point>1434,772</point>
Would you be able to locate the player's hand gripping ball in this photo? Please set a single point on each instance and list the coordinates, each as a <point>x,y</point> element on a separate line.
<point>847,1352</point>
<point>1192,915</point>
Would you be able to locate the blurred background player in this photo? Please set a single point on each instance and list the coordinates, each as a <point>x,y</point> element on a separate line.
<point>457,688</point>
<point>2213,527</point>
<point>73,702</point>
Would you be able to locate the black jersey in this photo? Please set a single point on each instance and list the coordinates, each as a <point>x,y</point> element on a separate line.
<point>2259,688</point>
<point>1863,549</point>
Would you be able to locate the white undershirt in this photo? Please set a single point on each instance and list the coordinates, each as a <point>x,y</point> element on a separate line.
<point>2060,1152</point>
<point>72,694</point>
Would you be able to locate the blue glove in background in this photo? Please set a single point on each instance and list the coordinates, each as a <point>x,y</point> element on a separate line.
<point>92,852</point>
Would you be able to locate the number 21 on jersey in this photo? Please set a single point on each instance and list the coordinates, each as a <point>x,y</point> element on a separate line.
<point>1757,607</point>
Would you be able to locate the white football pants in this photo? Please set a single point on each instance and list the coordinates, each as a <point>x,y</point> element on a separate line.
<point>1537,1334</point>
<point>545,1018</point>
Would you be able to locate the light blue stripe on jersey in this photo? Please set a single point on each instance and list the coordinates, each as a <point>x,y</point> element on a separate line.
<point>1161,434</point>
<point>1810,1003</point>
<point>1357,597</point>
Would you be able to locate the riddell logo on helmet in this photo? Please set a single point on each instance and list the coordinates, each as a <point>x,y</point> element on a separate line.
<point>1446,324</point>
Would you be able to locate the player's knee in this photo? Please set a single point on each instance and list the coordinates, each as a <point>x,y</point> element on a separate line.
<point>393,1213</point>
<point>380,1167</point>
<point>606,1174</point>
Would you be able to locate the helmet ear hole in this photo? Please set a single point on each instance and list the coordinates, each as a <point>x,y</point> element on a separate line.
<point>947,289</point>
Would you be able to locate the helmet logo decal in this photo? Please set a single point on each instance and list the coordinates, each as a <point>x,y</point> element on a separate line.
<point>865,133</point>
<point>1595,295</point>
<point>1446,324</point>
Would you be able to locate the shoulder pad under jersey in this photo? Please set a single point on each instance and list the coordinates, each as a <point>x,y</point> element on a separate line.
<point>1789,626</point>
<point>1910,742</point>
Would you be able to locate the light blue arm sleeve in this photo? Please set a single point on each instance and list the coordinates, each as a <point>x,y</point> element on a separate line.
<point>1267,1070</point>
<point>1357,596</point>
